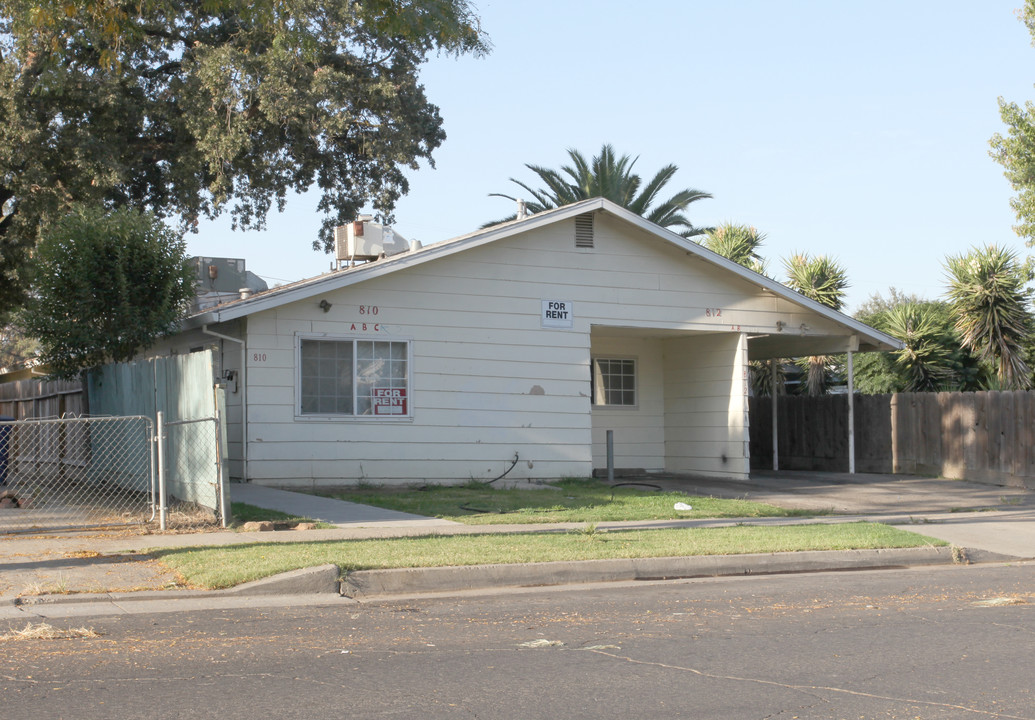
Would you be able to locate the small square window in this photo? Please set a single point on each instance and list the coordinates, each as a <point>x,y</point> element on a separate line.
<point>614,382</point>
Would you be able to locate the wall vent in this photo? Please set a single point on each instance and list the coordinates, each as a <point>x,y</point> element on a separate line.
<point>584,230</point>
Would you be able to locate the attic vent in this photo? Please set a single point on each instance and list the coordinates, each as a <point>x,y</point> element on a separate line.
<point>584,230</point>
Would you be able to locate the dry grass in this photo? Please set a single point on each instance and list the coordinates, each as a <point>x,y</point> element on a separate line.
<point>45,631</point>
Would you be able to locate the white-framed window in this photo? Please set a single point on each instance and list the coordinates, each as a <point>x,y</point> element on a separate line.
<point>614,382</point>
<point>353,377</point>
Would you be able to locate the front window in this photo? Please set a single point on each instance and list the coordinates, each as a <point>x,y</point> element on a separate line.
<point>614,382</point>
<point>354,377</point>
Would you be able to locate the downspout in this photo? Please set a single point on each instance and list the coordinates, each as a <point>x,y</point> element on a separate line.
<point>244,395</point>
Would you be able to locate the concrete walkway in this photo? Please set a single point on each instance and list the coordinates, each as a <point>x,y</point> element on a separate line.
<point>989,522</point>
<point>329,510</point>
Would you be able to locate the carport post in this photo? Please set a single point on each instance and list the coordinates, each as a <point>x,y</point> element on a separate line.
<point>853,346</point>
<point>776,435</point>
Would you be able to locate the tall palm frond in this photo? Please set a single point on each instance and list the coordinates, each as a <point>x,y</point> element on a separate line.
<point>609,175</point>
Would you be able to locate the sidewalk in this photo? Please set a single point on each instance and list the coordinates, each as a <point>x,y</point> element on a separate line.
<point>61,567</point>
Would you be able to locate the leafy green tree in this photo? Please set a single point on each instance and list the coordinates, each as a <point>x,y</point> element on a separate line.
<point>610,176</point>
<point>106,285</point>
<point>192,109</point>
<point>991,309</point>
<point>824,280</point>
<point>1016,150</point>
<point>15,346</point>
<point>739,243</point>
<point>933,359</point>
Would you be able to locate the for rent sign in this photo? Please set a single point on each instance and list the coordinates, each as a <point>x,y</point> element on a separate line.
<point>557,314</point>
<point>388,401</point>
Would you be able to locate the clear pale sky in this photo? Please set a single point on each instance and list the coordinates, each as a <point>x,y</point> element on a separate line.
<point>855,129</point>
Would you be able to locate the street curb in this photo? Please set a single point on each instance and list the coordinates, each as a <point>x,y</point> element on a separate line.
<point>307,581</point>
<point>373,583</point>
<point>363,584</point>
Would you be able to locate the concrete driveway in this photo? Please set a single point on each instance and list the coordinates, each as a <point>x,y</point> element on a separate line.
<point>859,494</point>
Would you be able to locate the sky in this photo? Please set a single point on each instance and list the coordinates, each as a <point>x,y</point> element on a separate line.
<point>854,129</point>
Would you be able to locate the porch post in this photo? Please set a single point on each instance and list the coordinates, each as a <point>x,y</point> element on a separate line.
<point>773,393</point>
<point>852,345</point>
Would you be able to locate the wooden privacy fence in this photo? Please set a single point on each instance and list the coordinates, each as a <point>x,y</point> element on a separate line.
<point>27,399</point>
<point>982,436</point>
<point>813,433</point>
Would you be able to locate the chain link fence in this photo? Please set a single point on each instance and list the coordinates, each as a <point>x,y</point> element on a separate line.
<point>82,473</point>
<point>191,473</point>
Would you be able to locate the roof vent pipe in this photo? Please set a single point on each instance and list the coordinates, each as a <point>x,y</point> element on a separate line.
<point>522,211</point>
<point>245,293</point>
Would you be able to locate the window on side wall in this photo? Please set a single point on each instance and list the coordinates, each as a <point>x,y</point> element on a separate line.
<point>353,377</point>
<point>614,382</point>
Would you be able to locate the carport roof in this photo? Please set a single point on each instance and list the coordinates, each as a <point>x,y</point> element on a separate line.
<point>857,336</point>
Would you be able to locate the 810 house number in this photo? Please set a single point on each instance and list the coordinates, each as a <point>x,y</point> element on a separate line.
<point>258,357</point>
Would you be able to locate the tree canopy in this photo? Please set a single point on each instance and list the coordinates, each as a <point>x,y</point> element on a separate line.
<point>1016,150</point>
<point>610,176</point>
<point>105,287</point>
<point>192,109</point>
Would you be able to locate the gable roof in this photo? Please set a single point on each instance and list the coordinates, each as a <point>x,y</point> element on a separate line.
<point>777,345</point>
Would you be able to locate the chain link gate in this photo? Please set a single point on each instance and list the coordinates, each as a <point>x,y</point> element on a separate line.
<point>76,473</point>
<point>81,473</point>
<point>191,473</point>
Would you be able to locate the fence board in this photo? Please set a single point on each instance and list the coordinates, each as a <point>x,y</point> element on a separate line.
<point>983,436</point>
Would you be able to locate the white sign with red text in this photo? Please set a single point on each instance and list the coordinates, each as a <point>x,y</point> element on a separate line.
<point>388,401</point>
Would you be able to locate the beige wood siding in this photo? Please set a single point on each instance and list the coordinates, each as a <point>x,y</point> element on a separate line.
<point>487,381</point>
<point>706,405</point>
<point>639,432</point>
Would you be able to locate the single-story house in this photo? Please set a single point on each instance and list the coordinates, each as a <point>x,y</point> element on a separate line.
<point>515,347</point>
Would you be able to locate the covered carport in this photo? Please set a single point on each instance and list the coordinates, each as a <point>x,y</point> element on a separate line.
<point>785,345</point>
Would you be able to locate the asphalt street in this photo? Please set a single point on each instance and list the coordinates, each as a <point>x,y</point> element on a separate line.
<point>938,642</point>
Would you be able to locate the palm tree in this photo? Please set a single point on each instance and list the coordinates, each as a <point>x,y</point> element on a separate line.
<point>824,280</point>
<point>609,176</point>
<point>739,243</point>
<point>990,304</point>
<point>924,363</point>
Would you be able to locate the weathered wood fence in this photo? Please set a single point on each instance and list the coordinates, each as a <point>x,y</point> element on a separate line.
<point>27,399</point>
<point>982,436</point>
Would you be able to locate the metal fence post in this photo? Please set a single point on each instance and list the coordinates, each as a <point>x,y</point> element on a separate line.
<point>162,501</point>
<point>223,473</point>
<point>611,456</point>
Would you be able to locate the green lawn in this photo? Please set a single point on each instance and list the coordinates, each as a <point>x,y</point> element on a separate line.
<point>225,566</point>
<point>572,500</point>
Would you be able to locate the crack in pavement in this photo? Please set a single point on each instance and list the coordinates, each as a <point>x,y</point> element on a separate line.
<point>807,688</point>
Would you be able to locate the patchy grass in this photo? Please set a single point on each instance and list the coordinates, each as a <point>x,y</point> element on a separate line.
<point>572,500</point>
<point>243,512</point>
<point>225,566</point>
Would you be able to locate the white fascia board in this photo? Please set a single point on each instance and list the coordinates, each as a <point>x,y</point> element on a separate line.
<point>777,288</point>
<point>344,278</point>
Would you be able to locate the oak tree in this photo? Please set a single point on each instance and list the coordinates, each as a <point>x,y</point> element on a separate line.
<point>192,109</point>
